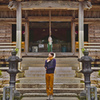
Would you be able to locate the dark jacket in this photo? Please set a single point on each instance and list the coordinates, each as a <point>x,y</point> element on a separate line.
<point>50,66</point>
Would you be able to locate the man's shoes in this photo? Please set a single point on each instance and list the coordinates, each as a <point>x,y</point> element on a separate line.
<point>51,97</point>
<point>48,98</point>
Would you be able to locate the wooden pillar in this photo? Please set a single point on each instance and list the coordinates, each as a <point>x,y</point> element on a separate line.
<point>73,37</point>
<point>81,30</point>
<point>19,30</point>
<point>26,37</point>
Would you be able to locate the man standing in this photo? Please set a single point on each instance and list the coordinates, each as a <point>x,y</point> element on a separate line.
<point>50,65</point>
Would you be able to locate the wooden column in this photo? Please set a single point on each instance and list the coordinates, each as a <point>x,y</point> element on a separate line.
<point>81,30</point>
<point>19,30</point>
<point>26,37</point>
<point>73,37</point>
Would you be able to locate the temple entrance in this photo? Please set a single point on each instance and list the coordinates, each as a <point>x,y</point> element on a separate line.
<point>39,33</point>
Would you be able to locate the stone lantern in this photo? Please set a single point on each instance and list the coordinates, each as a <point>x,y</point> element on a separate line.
<point>86,70</point>
<point>86,67</point>
<point>13,67</point>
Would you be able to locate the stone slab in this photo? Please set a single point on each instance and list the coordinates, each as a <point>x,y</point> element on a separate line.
<point>45,95</point>
<point>42,65</point>
<point>56,85</point>
<point>55,90</point>
<point>45,98</point>
<point>56,80</point>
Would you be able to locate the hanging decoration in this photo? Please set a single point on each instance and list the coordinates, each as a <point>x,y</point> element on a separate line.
<point>50,38</point>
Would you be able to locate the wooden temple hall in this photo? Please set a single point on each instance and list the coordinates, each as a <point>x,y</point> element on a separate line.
<point>72,24</point>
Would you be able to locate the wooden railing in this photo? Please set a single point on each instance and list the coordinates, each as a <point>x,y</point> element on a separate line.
<point>7,47</point>
<point>95,49</point>
<point>92,47</point>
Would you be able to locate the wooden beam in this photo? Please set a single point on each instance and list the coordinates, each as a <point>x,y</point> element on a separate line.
<point>80,0</point>
<point>19,28</point>
<point>18,0</point>
<point>19,31</point>
<point>45,18</point>
<point>68,5</point>
<point>53,18</point>
<point>81,30</point>
<point>88,20</point>
<point>73,37</point>
<point>3,7</point>
<point>26,37</point>
<point>94,8</point>
<point>10,19</point>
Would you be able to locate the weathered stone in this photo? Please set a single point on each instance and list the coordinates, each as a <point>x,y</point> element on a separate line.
<point>56,90</point>
<point>42,80</point>
<point>45,95</point>
<point>56,85</point>
<point>55,98</point>
<point>39,62</point>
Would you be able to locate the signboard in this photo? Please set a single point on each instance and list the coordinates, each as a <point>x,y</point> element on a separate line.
<point>41,45</point>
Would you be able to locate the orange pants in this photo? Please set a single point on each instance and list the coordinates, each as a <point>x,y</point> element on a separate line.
<point>49,83</point>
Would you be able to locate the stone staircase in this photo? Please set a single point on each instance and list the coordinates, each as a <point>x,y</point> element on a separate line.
<point>66,84</point>
<point>31,82</point>
<point>39,62</point>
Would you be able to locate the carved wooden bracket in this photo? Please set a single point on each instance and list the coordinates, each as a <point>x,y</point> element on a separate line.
<point>12,5</point>
<point>69,5</point>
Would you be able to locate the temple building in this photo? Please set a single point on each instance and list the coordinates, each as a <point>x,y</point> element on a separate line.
<point>73,25</point>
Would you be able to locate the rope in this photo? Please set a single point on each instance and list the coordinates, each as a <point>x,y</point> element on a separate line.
<point>49,22</point>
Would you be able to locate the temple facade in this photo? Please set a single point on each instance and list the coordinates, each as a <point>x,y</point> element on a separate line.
<point>72,24</point>
<point>36,27</point>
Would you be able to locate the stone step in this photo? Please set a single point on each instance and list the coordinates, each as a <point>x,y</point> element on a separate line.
<point>45,95</point>
<point>42,68</point>
<point>39,62</point>
<point>42,71</point>
<point>55,90</point>
<point>56,75</point>
<point>92,79</point>
<point>95,74</point>
<point>56,85</point>
<point>56,80</point>
<point>42,60</point>
<point>5,80</point>
<point>26,67</point>
<point>5,74</point>
<point>42,65</point>
<point>45,98</point>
